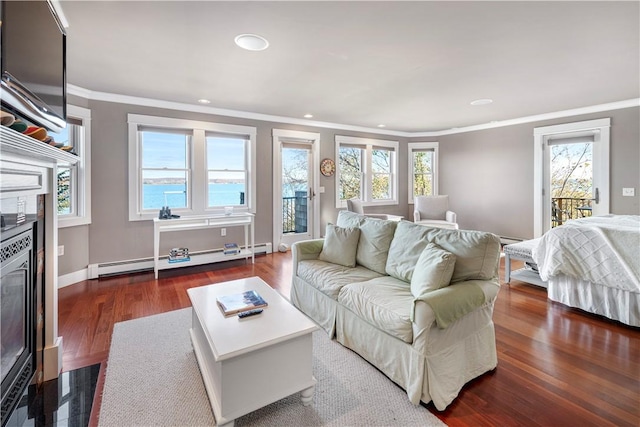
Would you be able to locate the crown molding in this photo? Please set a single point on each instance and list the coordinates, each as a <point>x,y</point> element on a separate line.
<point>170,105</point>
<point>635,102</point>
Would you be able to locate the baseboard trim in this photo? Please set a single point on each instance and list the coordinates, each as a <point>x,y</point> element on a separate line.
<point>95,271</point>
<point>71,278</point>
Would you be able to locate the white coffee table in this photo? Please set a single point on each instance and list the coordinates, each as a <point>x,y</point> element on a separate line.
<point>249,363</point>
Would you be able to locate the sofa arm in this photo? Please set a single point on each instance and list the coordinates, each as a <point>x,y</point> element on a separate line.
<point>451,216</point>
<point>455,301</point>
<point>306,249</point>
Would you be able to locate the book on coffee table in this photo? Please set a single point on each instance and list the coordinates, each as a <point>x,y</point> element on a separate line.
<point>237,303</point>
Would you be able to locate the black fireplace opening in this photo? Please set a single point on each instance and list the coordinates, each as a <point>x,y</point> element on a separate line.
<point>17,313</point>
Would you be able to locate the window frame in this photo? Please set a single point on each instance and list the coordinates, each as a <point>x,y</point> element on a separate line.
<point>421,146</point>
<point>197,193</point>
<point>368,145</point>
<point>80,173</point>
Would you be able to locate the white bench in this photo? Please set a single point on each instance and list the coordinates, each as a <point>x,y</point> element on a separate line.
<point>521,251</point>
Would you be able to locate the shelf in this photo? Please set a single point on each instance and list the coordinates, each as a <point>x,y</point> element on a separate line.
<point>12,142</point>
<point>528,276</point>
<point>200,259</point>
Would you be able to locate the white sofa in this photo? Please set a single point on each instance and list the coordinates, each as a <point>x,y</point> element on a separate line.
<point>414,301</point>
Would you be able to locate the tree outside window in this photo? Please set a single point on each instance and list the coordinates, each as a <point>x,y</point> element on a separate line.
<point>423,173</point>
<point>366,170</point>
<point>423,169</point>
<point>350,170</point>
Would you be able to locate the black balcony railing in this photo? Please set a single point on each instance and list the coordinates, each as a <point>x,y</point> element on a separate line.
<point>565,208</point>
<point>294,213</point>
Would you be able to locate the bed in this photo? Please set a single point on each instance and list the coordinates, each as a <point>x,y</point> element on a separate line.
<point>594,264</point>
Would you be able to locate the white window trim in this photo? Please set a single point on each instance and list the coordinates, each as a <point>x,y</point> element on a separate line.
<point>82,215</point>
<point>368,144</point>
<point>415,146</point>
<point>198,163</point>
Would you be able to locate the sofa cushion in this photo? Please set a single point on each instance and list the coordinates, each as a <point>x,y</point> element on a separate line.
<point>340,245</point>
<point>433,270</point>
<point>477,252</point>
<point>373,246</point>
<point>384,302</point>
<point>329,278</point>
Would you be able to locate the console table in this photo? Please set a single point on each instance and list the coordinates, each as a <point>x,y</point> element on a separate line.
<point>245,220</point>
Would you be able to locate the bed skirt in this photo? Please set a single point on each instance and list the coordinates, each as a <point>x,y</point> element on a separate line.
<point>616,304</point>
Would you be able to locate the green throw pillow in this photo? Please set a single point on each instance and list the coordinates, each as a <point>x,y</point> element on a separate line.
<point>433,270</point>
<point>340,245</point>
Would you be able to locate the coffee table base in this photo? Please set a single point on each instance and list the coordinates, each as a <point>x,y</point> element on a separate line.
<point>239,385</point>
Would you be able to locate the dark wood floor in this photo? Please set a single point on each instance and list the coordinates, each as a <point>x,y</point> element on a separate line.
<point>557,366</point>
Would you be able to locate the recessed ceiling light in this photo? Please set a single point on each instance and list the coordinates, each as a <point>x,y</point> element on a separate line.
<point>252,42</point>
<point>382,126</point>
<point>483,101</point>
<point>204,101</point>
<point>308,116</point>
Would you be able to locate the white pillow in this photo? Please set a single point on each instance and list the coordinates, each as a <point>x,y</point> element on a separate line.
<point>340,245</point>
<point>433,270</point>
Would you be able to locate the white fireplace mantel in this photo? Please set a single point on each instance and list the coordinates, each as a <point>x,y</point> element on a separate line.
<point>24,154</point>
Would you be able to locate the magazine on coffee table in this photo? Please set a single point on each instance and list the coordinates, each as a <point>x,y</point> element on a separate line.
<point>237,303</point>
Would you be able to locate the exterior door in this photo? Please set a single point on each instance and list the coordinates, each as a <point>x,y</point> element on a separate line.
<point>573,161</point>
<point>295,203</point>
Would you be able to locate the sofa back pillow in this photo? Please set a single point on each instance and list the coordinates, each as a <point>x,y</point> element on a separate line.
<point>340,245</point>
<point>348,219</point>
<point>433,270</point>
<point>477,252</point>
<point>373,246</point>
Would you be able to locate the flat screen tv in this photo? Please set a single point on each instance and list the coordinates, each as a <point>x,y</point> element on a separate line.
<point>33,61</point>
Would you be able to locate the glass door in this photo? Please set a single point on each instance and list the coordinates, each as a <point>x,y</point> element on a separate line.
<point>297,192</point>
<point>295,205</point>
<point>571,173</point>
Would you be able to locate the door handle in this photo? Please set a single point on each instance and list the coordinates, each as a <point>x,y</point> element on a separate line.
<point>311,193</point>
<point>597,198</point>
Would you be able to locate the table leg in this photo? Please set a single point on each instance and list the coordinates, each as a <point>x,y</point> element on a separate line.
<point>156,250</point>
<point>507,268</point>
<point>307,395</point>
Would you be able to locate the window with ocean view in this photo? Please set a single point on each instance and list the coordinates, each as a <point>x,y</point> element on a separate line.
<point>226,171</point>
<point>191,167</point>
<point>165,169</point>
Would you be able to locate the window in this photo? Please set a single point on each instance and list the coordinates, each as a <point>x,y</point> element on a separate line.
<point>165,168</point>
<point>366,170</point>
<point>423,169</point>
<point>193,167</point>
<point>227,170</point>
<point>74,181</point>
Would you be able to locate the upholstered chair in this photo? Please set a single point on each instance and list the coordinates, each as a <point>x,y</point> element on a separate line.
<point>433,211</point>
<point>355,206</point>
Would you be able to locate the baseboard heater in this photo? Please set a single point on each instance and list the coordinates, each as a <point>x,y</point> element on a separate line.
<point>144,264</point>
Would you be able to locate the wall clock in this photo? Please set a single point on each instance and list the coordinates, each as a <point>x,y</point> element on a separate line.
<point>327,167</point>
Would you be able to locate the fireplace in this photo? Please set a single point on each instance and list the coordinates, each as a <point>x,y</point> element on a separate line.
<point>28,200</point>
<point>21,289</point>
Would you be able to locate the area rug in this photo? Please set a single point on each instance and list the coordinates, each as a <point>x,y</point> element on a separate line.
<point>153,379</point>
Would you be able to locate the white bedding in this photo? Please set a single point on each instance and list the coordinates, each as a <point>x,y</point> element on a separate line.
<point>603,250</point>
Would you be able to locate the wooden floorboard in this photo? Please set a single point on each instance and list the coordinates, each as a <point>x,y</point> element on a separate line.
<point>557,366</point>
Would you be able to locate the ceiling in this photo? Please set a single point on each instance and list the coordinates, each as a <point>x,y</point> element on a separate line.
<point>412,66</point>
